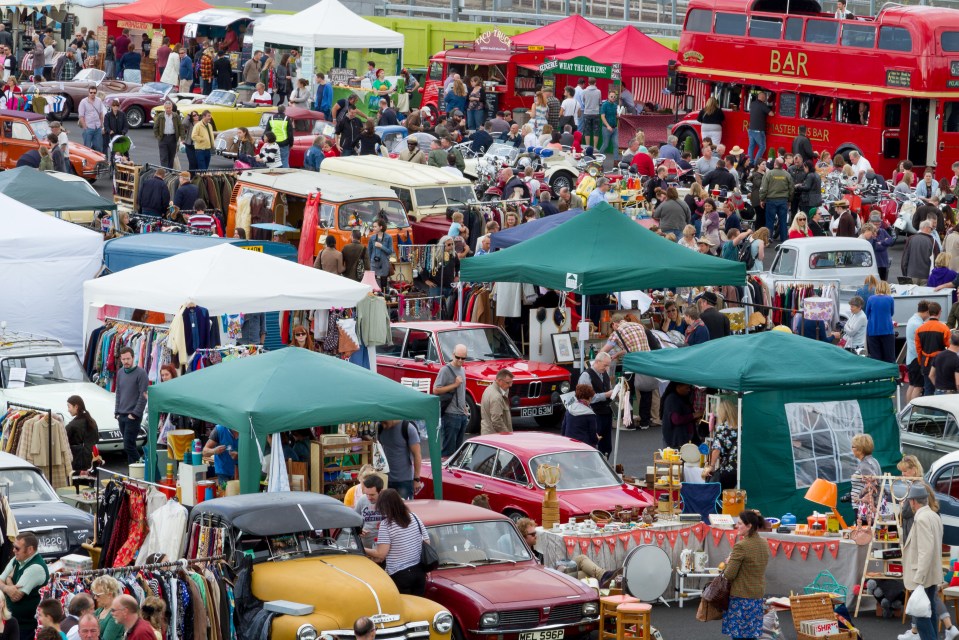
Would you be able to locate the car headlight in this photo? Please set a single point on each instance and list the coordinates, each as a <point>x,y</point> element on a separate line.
<point>83,162</point>
<point>489,619</point>
<point>306,632</point>
<point>590,609</point>
<point>443,622</point>
<point>564,387</point>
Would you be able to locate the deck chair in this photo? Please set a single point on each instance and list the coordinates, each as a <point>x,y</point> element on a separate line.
<point>701,498</point>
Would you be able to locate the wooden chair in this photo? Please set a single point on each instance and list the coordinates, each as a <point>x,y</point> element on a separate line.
<point>608,612</point>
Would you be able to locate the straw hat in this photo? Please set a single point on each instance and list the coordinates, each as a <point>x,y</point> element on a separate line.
<point>706,241</point>
<point>736,151</point>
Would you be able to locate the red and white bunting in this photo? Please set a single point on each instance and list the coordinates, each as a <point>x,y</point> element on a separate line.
<point>684,534</point>
<point>570,544</point>
<point>731,536</point>
<point>819,547</point>
<point>788,548</point>
<point>611,543</point>
<point>671,536</point>
<point>584,544</point>
<point>700,531</point>
<point>803,550</point>
<point>774,546</point>
<point>834,548</point>
<point>717,536</point>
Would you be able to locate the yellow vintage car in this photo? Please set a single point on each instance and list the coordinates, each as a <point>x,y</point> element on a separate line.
<point>227,111</point>
<point>304,548</point>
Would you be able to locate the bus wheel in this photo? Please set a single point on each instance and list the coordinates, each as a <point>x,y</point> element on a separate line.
<point>683,134</point>
<point>844,150</point>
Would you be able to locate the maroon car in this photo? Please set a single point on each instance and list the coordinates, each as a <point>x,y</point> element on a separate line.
<point>491,583</point>
<point>77,89</point>
<point>138,105</point>
<point>504,465</point>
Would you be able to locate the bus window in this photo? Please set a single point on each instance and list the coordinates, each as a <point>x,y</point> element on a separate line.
<point>816,107</point>
<point>731,24</point>
<point>893,115</point>
<point>950,117</point>
<point>728,95</point>
<point>950,41</point>
<point>436,71</point>
<point>794,29</point>
<point>898,39</point>
<point>762,27</point>
<point>699,21</point>
<point>853,112</point>
<point>822,31</point>
<point>859,36</point>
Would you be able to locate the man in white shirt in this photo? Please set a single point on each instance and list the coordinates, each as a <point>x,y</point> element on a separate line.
<point>841,13</point>
<point>365,505</point>
<point>859,165</point>
<point>90,116</point>
<point>706,162</point>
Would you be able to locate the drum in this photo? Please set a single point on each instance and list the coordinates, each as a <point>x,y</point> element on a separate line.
<point>647,572</point>
<point>818,309</point>
<point>737,317</point>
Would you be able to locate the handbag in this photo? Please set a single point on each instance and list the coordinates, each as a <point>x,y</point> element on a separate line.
<point>380,463</point>
<point>429,557</point>
<point>707,612</point>
<point>716,592</point>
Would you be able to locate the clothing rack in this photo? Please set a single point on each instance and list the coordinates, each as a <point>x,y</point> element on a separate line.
<point>147,567</point>
<point>232,347</point>
<point>137,323</point>
<point>49,413</point>
<point>195,172</point>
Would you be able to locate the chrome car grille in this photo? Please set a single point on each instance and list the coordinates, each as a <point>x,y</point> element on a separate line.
<point>566,613</point>
<point>519,618</point>
<point>532,389</point>
<point>418,629</point>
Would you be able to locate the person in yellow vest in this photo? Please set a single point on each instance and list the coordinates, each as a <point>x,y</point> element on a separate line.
<point>202,136</point>
<point>282,128</point>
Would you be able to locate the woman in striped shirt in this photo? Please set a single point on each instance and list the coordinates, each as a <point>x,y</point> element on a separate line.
<point>400,543</point>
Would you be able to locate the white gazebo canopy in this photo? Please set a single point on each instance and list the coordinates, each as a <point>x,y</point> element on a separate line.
<point>44,262</point>
<point>223,279</point>
<point>327,24</point>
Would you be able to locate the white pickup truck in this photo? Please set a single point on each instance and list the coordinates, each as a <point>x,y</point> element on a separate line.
<point>847,261</point>
<point>41,372</point>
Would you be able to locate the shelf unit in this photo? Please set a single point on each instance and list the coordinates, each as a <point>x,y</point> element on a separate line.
<point>886,535</point>
<point>673,470</point>
<point>336,455</point>
<point>125,179</point>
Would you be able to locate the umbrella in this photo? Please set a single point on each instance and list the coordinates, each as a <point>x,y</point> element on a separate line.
<point>273,226</point>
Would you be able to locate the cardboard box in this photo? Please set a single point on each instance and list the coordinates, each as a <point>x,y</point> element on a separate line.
<point>819,628</point>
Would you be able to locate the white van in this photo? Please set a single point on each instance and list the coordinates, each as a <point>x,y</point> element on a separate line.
<point>424,190</point>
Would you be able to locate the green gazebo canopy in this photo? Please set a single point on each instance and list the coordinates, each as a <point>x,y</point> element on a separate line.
<point>602,251</point>
<point>286,390</point>
<point>45,193</point>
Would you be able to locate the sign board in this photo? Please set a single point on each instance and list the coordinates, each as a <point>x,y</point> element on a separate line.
<point>895,78</point>
<point>102,37</point>
<point>341,75</point>
<point>579,66</point>
<point>494,41</point>
<point>133,24</point>
<point>156,42</point>
<point>787,105</point>
<point>253,247</point>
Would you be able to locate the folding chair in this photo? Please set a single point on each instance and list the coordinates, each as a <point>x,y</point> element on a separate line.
<point>701,498</point>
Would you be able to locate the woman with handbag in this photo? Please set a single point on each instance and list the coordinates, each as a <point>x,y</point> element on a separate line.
<point>380,248</point>
<point>746,572</point>
<point>400,543</point>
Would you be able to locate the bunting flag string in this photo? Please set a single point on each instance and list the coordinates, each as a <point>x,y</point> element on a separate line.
<point>774,546</point>
<point>819,547</point>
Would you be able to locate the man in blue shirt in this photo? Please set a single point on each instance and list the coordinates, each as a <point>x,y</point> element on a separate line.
<point>223,445</point>
<point>598,194</point>
<point>324,97</point>
<point>670,150</point>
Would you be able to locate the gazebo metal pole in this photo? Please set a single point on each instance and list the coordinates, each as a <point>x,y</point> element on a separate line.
<point>619,422</point>
<point>739,440</point>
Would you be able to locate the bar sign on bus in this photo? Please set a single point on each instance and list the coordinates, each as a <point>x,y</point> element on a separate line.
<point>895,78</point>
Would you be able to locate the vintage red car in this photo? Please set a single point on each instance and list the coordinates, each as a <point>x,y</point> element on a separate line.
<point>306,126</point>
<point>504,465</point>
<point>24,131</point>
<point>139,104</point>
<point>491,582</point>
<point>420,349</point>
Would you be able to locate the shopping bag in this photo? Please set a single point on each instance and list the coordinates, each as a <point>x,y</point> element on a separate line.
<point>716,592</point>
<point>380,463</point>
<point>918,605</point>
<point>707,612</point>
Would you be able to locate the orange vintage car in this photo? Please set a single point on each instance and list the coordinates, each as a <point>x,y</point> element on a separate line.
<point>24,131</point>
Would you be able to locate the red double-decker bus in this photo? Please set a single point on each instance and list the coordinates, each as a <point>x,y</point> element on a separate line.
<point>887,86</point>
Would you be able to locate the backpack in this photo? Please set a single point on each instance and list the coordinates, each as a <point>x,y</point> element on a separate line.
<point>745,254</point>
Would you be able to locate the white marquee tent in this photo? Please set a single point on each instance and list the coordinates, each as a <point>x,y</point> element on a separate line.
<point>44,263</point>
<point>326,25</point>
<point>223,279</point>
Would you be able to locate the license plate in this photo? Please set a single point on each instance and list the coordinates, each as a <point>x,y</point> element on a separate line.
<point>553,634</point>
<point>52,542</point>
<point>114,435</point>
<point>531,412</point>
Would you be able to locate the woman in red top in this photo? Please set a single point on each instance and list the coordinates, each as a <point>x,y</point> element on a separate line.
<point>799,228</point>
<point>643,163</point>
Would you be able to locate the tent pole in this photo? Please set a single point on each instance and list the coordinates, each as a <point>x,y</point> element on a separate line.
<point>739,440</point>
<point>459,304</point>
<point>582,347</point>
<point>619,423</point>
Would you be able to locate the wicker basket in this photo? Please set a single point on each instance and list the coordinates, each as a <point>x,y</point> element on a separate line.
<point>816,606</point>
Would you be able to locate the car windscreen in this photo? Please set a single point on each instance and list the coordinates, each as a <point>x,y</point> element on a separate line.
<point>485,343</point>
<point>459,194</point>
<point>362,213</point>
<point>224,98</point>
<point>577,470</point>
<point>89,75</point>
<point>41,128</point>
<point>26,486</point>
<point>478,542</point>
<point>41,369</point>
<point>156,88</point>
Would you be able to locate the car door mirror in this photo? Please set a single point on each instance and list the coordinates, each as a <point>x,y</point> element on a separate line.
<point>420,359</point>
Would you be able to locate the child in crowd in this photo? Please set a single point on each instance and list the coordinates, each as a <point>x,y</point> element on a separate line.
<point>456,225</point>
<point>270,152</point>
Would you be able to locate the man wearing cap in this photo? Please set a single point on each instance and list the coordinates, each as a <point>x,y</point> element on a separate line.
<point>922,555</point>
<point>716,323</point>
<point>186,193</point>
<point>847,222</point>
<point>413,153</point>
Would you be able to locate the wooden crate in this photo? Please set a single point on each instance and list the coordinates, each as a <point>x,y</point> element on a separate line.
<point>815,606</point>
<point>125,179</point>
